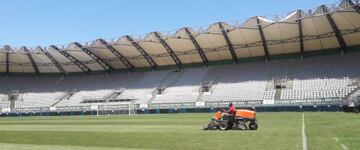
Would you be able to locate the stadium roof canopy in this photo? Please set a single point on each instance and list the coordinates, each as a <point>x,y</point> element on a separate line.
<point>335,27</point>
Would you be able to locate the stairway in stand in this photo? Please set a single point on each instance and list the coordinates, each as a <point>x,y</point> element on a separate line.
<point>277,94</point>
<point>67,95</point>
<point>113,94</point>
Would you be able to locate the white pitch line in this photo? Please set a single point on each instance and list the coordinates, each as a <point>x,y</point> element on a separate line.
<point>344,147</point>
<point>304,142</point>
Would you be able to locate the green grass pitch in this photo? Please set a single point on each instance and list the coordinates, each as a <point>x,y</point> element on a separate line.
<point>324,130</point>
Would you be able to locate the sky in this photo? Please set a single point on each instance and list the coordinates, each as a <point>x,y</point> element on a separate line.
<point>44,22</point>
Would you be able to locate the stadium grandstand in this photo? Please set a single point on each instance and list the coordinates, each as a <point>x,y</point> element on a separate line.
<point>306,60</point>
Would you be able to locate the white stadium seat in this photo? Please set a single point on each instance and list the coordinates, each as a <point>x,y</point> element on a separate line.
<point>332,76</point>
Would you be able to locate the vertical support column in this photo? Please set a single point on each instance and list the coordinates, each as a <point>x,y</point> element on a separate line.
<point>142,52</point>
<point>169,50</point>
<point>120,56</point>
<point>301,36</point>
<point>7,49</point>
<point>197,46</point>
<point>100,61</point>
<point>263,39</point>
<point>36,69</point>
<point>338,35</point>
<point>82,66</point>
<point>228,42</point>
<point>53,60</point>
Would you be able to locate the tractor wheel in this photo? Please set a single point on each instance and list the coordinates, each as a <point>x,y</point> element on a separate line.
<point>242,126</point>
<point>223,126</point>
<point>253,126</point>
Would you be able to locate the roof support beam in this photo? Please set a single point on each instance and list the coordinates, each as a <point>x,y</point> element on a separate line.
<point>169,50</point>
<point>350,3</point>
<point>338,35</point>
<point>7,49</point>
<point>120,56</point>
<point>100,61</point>
<point>228,42</point>
<point>142,52</point>
<point>83,67</point>
<point>197,46</point>
<point>36,69</point>
<point>357,8</point>
<point>301,36</point>
<point>53,60</point>
<point>266,49</point>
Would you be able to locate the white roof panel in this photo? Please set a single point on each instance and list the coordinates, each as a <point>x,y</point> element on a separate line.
<point>282,37</point>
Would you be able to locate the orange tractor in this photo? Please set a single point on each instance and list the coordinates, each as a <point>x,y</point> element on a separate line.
<point>242,120</point>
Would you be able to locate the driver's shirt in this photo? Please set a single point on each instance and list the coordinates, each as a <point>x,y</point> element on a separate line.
<point>232,110</point>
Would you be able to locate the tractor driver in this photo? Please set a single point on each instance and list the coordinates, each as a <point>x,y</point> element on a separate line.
<point>231,110</point>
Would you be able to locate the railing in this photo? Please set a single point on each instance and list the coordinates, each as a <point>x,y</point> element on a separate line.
<point>171,105</point>
<point>113,107</point>
<point>236,103</point>
<point>31,109</point>
<point>335,100</point>
<point>93,100</point>
<point>73,108</point>
<point>252,103</point>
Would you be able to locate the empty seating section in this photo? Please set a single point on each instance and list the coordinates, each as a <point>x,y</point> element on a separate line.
<point>78,97</point>
<point>355,96</point>
<point>324,77</point>
<point>319,88</point>
<point>331,76</point>
<point>322,83</point>
<point>26,100</point>
<point>253,90</point>
<point>140,95</point>
<point>3,97</point>
<point>4,103</point>
<point>177,95</point>
<point>142,90</point>
<point>183,88</point>
<point>235,84</point>
<point>314,93</point>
